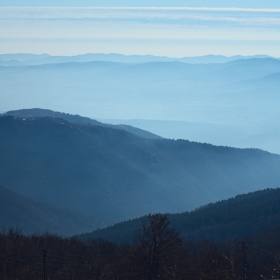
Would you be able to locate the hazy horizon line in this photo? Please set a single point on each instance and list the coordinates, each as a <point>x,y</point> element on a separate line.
<point>118,53</point>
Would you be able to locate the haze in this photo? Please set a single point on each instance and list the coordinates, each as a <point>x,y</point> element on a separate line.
<point>223,103</point>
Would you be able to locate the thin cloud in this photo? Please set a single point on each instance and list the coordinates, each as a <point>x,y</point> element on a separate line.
<point>77,12</point>
<point>174,15</point>
<point>216,9</point>
<point>122,29</point>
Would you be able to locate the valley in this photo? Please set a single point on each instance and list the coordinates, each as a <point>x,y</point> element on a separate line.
<point>200,153</point>
<point>139,140</point>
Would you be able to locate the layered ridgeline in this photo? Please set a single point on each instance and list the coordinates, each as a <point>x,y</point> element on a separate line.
<point>233,103</point>
<point>30,216</point>
<point>116,174</point>
<point>36,112</point>
<point>25,59</point>
<point>238,217</point>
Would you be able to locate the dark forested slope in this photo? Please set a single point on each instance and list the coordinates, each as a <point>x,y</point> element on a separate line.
<point>31,216</point>
<point>119,175</point>
<point>238,217</point>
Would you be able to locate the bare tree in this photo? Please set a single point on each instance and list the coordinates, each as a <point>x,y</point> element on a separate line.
<point>233,260</point>
<point>159,249</point>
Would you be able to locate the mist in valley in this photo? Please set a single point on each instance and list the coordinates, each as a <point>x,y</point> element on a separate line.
<point>233,103</point>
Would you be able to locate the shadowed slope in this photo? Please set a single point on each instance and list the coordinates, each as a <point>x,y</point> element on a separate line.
<point>119,175</point>
<point>31,216</point>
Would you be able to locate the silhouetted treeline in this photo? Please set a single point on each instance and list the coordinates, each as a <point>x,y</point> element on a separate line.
<point>22,257</point>
<point>52,257</point>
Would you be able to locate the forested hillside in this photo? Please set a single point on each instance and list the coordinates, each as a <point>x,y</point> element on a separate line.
<point>236,217</point>
<point>36,112</point>
<point>30,216</point>
<point>115,173</point>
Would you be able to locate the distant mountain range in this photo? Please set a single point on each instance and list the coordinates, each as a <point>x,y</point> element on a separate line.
<point>25,59</point>
<point>262,136</point>
<point>118,175</point>
<point>238,217</point>
<point>232,103</point>
<point>106,173</point>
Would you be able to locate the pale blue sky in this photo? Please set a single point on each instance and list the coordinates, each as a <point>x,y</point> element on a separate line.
<point>185,29</point>
<point>137,3</point>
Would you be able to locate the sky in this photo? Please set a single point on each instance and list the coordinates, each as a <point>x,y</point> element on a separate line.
<point>166,28</point>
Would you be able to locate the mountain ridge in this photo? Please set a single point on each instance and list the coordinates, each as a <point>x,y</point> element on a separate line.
<point>37,112</point>
<point>33,59</point>
<point>113,172</point>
